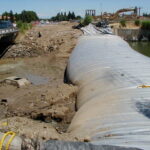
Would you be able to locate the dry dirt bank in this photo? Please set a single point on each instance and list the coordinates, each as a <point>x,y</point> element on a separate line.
<point>43,109</point>
<point>129,25</point>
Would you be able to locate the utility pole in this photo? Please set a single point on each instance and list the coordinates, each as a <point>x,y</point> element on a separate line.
<point>101,7</point>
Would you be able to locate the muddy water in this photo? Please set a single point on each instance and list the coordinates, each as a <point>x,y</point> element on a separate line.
<point>37,80</point>
<point>142,47</point>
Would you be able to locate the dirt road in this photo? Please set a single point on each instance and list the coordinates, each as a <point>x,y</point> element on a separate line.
<point>45,108</point>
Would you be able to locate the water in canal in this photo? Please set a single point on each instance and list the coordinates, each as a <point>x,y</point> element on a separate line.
<point>142,47</point>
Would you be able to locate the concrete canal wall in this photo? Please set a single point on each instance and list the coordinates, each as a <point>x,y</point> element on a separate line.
<point>133,34</point>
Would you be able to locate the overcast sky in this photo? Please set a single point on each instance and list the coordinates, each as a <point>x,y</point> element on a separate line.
<point>48,8</point>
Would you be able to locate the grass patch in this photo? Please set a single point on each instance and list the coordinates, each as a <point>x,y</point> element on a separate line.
<point>23,26</point>
<point>137,22</point>
<point>123,23</point>
<point>86,21</point>
<point>145,25</point>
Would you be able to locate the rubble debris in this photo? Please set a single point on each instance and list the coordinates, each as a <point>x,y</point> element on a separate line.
<point>40,41</point>
<point>16,81</point>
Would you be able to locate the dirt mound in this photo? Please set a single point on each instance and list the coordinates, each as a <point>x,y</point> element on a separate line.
<point>53,38</point>
<point>55,105</point>
<point>29,128</point>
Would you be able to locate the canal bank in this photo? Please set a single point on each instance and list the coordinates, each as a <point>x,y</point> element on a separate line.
<point>138,39</point>
<point>132,34</point>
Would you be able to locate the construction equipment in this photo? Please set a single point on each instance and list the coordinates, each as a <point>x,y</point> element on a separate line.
<point>116,15</point>
<point>113,16</point>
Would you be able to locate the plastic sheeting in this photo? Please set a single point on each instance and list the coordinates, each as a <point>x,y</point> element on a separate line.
<point>112,107</point>
<point>93,30</point>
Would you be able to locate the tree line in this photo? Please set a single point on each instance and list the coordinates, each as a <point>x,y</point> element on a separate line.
<point>24,16</point>
<point>65,17</point>
<point>29,16</point>
<point>146,15</point>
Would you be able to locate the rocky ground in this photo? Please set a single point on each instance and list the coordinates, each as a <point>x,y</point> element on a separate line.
<point>44,40</point>
<point>43,109</point>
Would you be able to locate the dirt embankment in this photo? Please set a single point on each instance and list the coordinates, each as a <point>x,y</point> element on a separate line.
<point>129,25</point>
<point>44,40</point>
<point>45,108</point>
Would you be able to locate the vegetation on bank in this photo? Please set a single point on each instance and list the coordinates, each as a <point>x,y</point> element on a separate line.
<point>137,22</point>
<point>23,26</point>
<point>86,21</point>
<point>123,23</point>
<point>145,25</point>
<point>24,16</point>
<point>146,15</point>
<point>22,20</point>
<point>71,16</point>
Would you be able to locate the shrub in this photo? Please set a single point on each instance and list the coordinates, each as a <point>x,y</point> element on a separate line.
<point>82,21</point>
<point>23,26</point>
<point>137,22</point>
<point>145,25</point>
<point>87,20</point>
<point>123,23</point>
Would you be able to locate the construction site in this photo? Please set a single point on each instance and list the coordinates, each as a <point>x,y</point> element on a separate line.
<point>125,13</point>
<point>69,88</point>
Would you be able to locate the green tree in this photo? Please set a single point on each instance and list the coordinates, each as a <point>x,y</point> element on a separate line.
<point>146,15</point>
<point>61,17</point>
<point>28,16</point>
<point>73,16</point>
<point>87,20</point>
<point>69,15</point>
<point>78,17</point>
<point>17,17</point>
<point>11,15</point>
<point>137,22</point>
<point>5,15</point>
<point>58,17</point>
<point>64,17</point>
